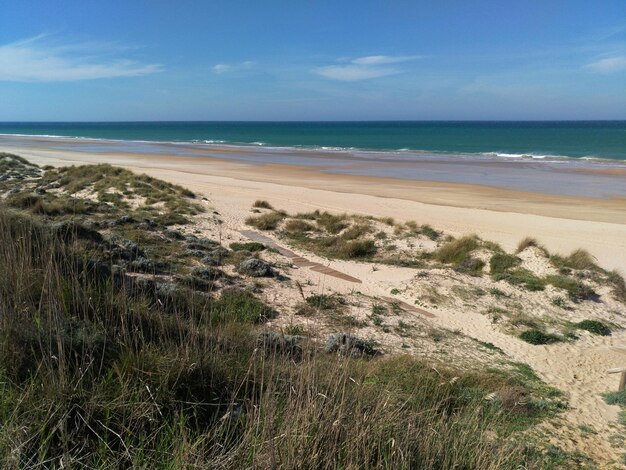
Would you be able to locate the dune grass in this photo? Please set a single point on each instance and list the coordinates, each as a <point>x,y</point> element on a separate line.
<point>99,370</point>
<point>457,251</point>
<point>261,204</point>
<point>268,221</point>
<point>502,262</point>
<point>579,259</point>
<point>537,337</point>
<point>594,326</point>
<point>530,242</point>
<point>577,291</point>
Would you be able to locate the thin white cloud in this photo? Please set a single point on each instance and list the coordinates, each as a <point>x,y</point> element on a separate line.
<point>608,65</point>
<point>352,73</point>
<point>30,60</point>
<point>384,59</point>
<point>221,68</point>
<point>363,68</point>
<point>225,68</point>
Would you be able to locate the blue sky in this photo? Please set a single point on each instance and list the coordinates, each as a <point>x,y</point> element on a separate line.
<point>312,60</point>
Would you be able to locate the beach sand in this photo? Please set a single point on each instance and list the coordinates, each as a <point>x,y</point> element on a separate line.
<point>561,223</point>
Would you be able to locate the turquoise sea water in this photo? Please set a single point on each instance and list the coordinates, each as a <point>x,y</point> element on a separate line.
<point>575,139</point>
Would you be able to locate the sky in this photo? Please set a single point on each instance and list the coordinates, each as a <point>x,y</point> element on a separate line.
<point>304,60</point>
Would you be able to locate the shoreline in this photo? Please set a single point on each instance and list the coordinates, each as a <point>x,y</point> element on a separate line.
<point>562,223</point>
<point>576,177</point>
<point>320,150</point>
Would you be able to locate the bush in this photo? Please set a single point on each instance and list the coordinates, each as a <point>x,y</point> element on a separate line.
<point>247,246</point>
<point>579,259</point>
<point>355,249</point>
<point>429,232</point>
<point>576,290</point>
<point>616,398</point>
<point>267,221</point>
<point>457,251</point>
<point>296,227</point>
<point>259,204</point>
<point>502,262</point>
<point>471,266</point>
<point>528,242</point>
<point>324,301</point>
<point>537,337</point>
<point>594,326</point>
<point>356,231</point>
<point>522,277</point>
<point>332,223</point>
<point>619,285</point>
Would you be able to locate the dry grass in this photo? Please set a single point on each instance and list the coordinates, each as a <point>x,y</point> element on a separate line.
<point>267,221</point>
<point>530,242</point>
<point>578,259</point>
<point>260,204</point>
<point>457,251</point>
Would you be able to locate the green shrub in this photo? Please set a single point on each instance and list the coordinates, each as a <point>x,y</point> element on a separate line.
<point>522,277</point>
<point>537,337</point>
<point>594,326</point>
<point>430,232</point>
<point>457,251</point>
<point>578,259</point>
<point>576,290</point>
<point>528,242</point>
<point>296,227</point>
<point>356,231</point>
<point>259,204</point>
<point>502,262</point>
<point>332,223</point>
<point>355,249</point>
<point>615,398</point>
<point>267,221</point>
<point>247,246</point>
<point>324,301</point>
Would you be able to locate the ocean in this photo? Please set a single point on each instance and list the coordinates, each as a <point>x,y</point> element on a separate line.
<point>524,139</point>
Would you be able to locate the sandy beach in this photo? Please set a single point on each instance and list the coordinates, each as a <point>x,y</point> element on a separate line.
<point>561,223</point>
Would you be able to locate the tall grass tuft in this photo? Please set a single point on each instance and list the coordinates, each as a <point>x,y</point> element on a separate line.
<point>457,251</point>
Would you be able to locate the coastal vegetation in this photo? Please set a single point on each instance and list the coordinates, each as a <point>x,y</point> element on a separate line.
<point>128,338</point>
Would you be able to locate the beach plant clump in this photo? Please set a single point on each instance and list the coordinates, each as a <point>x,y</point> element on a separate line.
<point>247,246</point>
<point>457,251</point>
<point>578,259</point>
<point>502,262</point>
<point>594,326</point>
<point>103,192</point>
<point>530,242</point>
<point>333,236</point>
<point>261,204</point>
<point>268,221</point>
<point>538,337</point>
<point>616,398</point>
<point>577,291</point>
